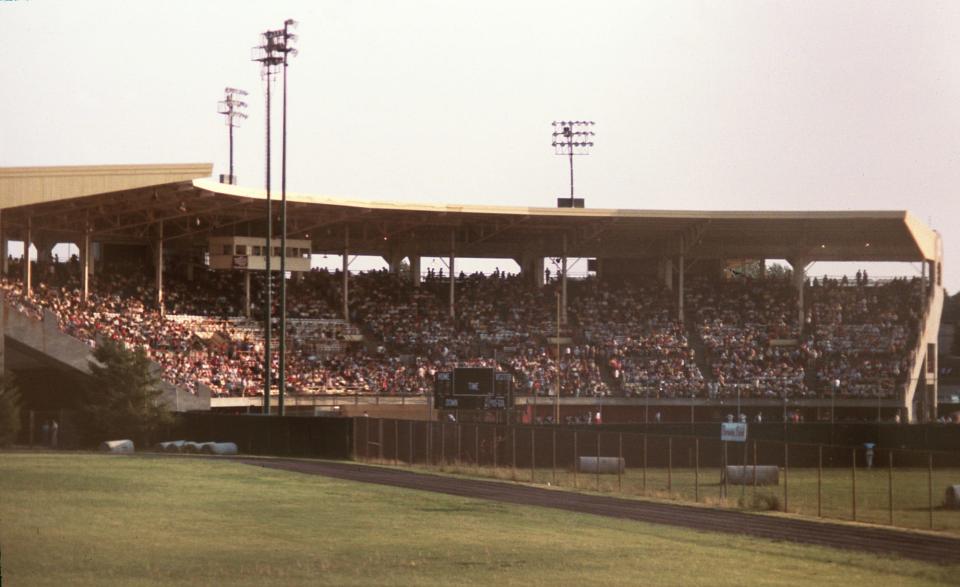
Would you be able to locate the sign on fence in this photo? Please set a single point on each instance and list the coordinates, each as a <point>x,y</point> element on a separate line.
<point>733,431</point>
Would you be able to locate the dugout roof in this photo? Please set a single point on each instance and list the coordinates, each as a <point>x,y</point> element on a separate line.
<point>125,203</point>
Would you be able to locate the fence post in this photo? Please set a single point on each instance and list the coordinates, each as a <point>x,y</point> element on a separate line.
<point>743,482</point>
<point>696,469</point>
<point>476,445</point>
<point>669,464</point>
<point>598,461</point>
<point>620,462</point>
<point>890,484</point>
<point>853,496</point>
<point>411,442</point>
<point>459,443</point>
<point>32,427</point>
<point>443,444</point>
<point>930,486</point>
<point>576,459</point>
<point>495,450</point>
<point>533,454</point>
<point>820,481</point>
<point>723,472</point>
<point>513,458</point>
<point>554,455</point>
<point>786,469</point>
<point>644,463</point>
<point>366,445</point>
<point>356,439</point>
<point>754,468</point>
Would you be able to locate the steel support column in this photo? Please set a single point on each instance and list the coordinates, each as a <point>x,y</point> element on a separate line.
<point>27,269</point>
<point>681,270</point>
<point>246,294</point>
<point>563,272</point>
<point>346,273</point>
<point>415,276</point>
<point>159,267</point>
<point>85,265</point>
<point>453,249</point>
<point>799,266</point>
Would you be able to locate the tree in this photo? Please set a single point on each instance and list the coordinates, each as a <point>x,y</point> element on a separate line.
<point>752,269</point>
<point>779,271</point>
<point>123,400</point>
<point>9,410</point>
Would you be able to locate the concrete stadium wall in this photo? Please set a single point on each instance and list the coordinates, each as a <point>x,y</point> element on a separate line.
<point>45,338</point>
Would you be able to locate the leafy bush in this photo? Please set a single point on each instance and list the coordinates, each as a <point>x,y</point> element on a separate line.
<point>123,400</point>
<point>767,502</point>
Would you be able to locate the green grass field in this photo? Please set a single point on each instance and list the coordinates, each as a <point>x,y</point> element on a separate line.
<point>911,498</point>
<point>87,519</point>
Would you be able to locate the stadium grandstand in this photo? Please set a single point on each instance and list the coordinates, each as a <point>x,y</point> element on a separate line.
<point>678,315</point>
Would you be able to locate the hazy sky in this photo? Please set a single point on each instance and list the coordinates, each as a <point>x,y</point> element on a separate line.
<point>699,105</point>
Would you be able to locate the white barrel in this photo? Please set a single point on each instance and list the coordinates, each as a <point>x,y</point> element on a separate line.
<point>219,448</point>
<point>170,445</point>
<point>190,447</point>
<point>121,446</point>
<point>743,475</point>
<point>952,500</point>
<point>610,465</point>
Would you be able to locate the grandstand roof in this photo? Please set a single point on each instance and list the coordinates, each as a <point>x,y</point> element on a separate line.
<point>122,203</point>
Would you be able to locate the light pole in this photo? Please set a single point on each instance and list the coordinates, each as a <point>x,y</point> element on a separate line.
<point>833,407</point>
<point>556,400</point>
<point>572,137</point>
<point>231,108</point>
<point>269,57</point>
<point>646,404</point>
<point>738,403</point>
<point>287,51</point>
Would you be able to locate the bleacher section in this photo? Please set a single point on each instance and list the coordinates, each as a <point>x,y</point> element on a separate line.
<point>625,339</point>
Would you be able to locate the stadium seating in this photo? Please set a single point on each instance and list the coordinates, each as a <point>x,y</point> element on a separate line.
<point>741,337</point>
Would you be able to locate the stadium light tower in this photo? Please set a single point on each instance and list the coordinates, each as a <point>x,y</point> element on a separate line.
<point>572,137</point>
<point>287,50</point>
<point>231,108</point>
<point>270,58</point>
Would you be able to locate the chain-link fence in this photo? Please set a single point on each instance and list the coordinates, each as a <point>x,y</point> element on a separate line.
<point>908,488</point>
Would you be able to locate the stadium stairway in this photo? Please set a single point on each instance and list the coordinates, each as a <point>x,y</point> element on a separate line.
<point>44,340</point>
<point>924,362</point>
<point>699,351</point>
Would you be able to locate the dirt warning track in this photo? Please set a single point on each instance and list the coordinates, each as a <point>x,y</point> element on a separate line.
<point>914,545</point>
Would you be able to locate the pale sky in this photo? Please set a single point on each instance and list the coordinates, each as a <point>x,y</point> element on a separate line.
<point>732,105</point>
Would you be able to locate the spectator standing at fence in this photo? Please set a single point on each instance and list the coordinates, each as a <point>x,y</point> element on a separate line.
<point>45,432</point>
<point>54,433</point>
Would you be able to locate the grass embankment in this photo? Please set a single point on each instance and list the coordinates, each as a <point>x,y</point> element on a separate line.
<point>85,519</point>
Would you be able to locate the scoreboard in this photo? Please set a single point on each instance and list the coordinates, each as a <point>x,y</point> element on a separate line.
<point>472,388</point>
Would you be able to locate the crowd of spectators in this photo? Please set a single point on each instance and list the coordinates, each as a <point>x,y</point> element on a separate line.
<point>751,337</point>
<point>862,334</point>
<point>640,340</point>
<point>742,337</point>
